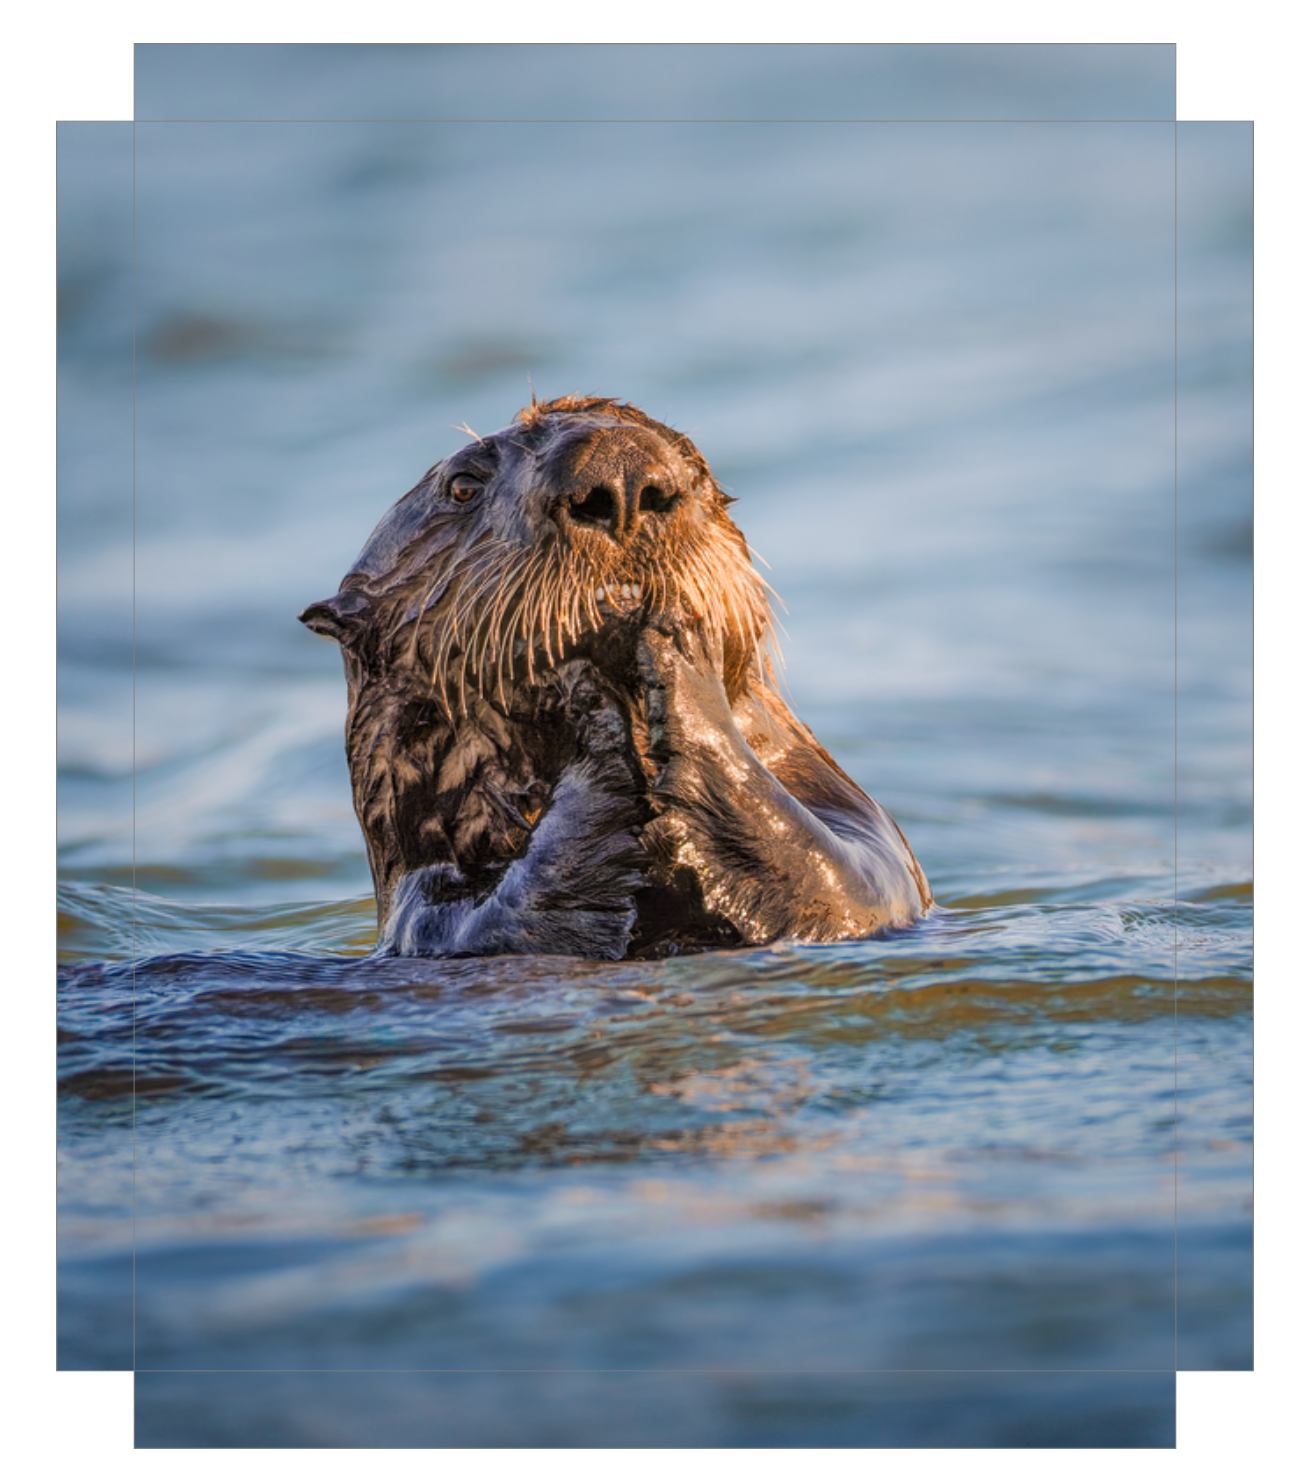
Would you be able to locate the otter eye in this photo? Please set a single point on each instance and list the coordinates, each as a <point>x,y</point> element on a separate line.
<point>464,487</point>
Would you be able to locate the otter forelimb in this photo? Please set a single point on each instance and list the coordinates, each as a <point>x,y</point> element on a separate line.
<point>816,859</point>
<point>572,891</point>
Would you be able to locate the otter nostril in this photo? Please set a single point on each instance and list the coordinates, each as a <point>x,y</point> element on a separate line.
<point>599,507</point>
<point>656,500</point>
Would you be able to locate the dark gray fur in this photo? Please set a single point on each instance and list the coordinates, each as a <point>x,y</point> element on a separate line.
<point>536,771</point>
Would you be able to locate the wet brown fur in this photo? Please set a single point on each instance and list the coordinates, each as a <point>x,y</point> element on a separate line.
<point>476,648</point>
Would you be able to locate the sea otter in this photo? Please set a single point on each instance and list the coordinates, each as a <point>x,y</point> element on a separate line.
<point>563,727</point>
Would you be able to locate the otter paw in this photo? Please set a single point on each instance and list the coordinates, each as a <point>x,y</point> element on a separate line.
<point>684,698</point>
<point>594,713</point>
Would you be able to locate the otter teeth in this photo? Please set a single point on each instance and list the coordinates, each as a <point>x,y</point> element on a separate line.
<point>625,590</point>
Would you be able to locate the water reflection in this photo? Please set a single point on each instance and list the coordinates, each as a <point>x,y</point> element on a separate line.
<point>936,367</point>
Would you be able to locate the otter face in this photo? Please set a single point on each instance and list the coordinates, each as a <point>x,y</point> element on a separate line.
<point>584,517</point>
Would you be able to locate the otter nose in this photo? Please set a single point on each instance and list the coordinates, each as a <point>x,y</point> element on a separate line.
<point>614,483</point>
<point>617,505</point>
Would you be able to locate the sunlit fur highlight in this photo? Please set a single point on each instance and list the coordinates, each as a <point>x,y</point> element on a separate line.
<point>493,613</point>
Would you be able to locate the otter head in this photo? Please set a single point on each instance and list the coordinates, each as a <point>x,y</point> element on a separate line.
<point>584,519</point>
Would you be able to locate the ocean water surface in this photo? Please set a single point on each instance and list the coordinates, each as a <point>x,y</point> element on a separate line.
<point>982,393</point>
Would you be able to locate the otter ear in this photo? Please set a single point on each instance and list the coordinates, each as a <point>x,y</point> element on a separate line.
<point>340,617</point>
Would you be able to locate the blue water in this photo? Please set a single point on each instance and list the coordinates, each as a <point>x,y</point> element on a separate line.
<point>985,1182</point>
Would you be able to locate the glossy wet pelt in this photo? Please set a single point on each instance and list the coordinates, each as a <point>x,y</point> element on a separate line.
<point>984,1182</point>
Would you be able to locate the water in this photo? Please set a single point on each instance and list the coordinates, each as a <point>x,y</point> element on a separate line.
<point>986,1181</point>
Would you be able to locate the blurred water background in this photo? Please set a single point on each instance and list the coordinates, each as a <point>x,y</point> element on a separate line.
<point>978,373</point>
